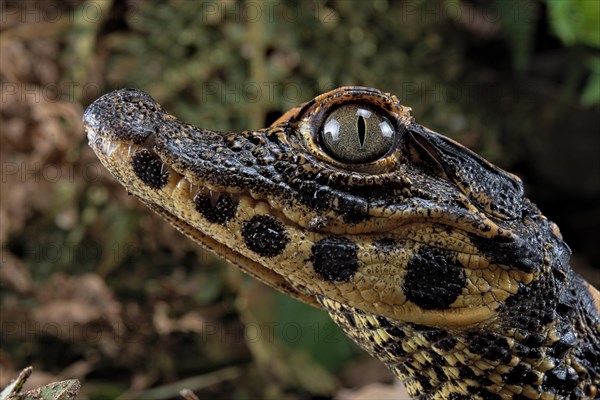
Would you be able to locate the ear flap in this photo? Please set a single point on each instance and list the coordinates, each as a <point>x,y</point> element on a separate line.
<point>495,191</point>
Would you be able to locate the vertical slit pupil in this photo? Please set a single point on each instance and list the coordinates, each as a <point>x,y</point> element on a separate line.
<point>362,130</point>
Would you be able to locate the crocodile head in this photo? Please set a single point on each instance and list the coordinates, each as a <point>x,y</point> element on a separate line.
<point>344,197</point>
<point>346,202</point>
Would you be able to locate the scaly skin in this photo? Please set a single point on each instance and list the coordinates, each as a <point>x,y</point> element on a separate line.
<point>428,256</point>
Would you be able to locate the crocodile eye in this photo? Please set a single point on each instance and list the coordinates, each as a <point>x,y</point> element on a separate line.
<point>356,133</point>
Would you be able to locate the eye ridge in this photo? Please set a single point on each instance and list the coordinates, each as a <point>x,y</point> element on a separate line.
<point>356,133</point>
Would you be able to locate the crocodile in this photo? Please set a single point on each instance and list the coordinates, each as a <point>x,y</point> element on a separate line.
<point>426,255</point>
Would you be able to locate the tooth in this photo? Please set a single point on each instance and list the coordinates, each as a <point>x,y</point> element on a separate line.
<point>129,151</point>
<point>214,197</point>
<point>182,183</point>
<point>194,190</point>
<point>235,198</point>
<point>111,148</point>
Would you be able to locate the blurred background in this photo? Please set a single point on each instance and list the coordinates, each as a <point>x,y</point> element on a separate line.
<point>96,287</point>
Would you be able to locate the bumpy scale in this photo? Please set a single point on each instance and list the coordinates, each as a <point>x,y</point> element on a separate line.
<point>427,256</point>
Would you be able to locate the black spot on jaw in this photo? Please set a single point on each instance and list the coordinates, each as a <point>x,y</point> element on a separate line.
<point>265,235</point>
<point>335,258</point>
<point>149,168</point>
<point>433,280</point>
<point>222,211</point>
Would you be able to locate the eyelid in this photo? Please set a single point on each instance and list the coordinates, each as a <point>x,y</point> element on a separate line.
<point>428,149</point>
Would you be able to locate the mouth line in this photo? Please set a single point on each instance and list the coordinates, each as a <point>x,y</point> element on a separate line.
<point>106,149</point>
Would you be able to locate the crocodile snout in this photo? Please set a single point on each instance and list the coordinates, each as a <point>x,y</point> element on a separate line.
<point>129,116</point>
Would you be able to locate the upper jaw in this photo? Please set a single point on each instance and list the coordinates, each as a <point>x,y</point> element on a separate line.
<point>129,117</point>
